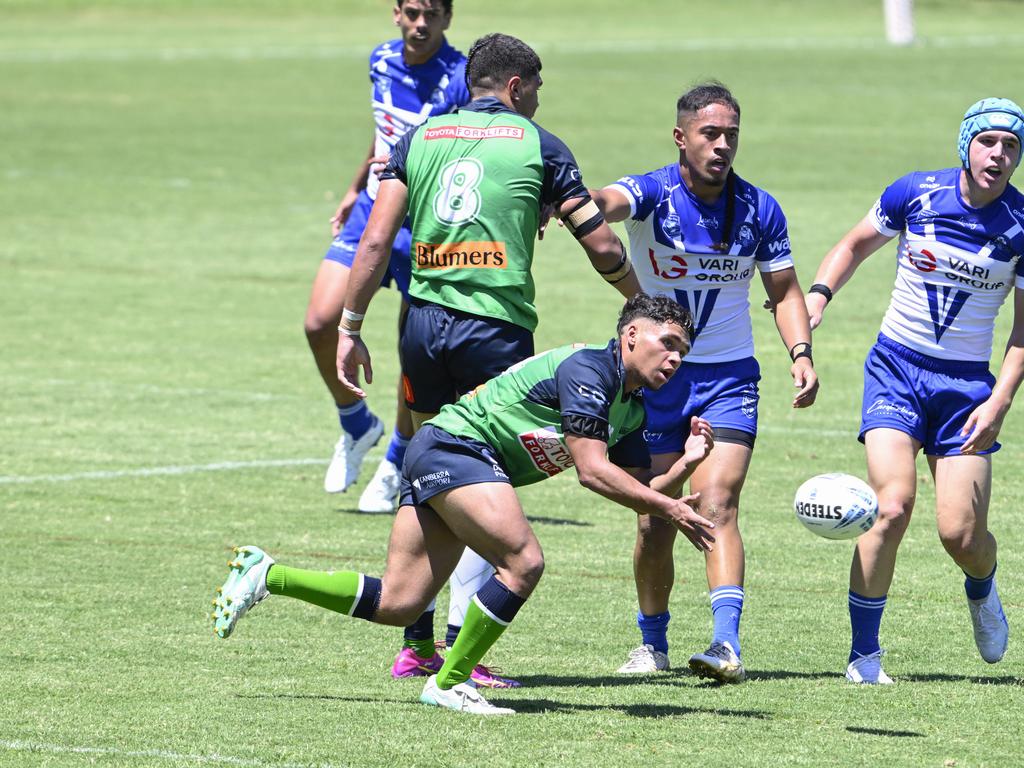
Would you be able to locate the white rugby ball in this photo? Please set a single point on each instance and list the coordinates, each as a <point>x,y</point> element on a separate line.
<point>836,505</point>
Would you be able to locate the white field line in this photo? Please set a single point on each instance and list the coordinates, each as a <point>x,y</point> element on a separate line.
<point>188,469</point>
<point>296,52</point>
<point>160,754</point>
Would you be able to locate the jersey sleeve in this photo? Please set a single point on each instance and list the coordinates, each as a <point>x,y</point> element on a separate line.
<point>396,167</point>
<point>773,251</point>
<point>889,214</point>
<point>562,178</point>
<point>586,387</point>
<point>631,451</point>
<point>643,193</point>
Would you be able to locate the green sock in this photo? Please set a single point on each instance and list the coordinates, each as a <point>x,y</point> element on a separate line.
<point>422,648</point>
<point>333,591</point>
<point>479,633</point>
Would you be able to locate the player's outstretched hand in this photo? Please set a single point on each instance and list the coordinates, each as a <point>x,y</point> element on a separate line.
<point>982,428</point>
<point>700,441</point>
<point>694,527</point>
<point>806,382</point>
<point>348,202</point>
<point>815,308</point>
<point>352,353</point>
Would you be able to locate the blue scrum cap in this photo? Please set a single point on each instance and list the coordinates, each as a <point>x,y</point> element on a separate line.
<point>990,115</point>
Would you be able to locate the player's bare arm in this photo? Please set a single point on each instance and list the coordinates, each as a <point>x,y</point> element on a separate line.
<point>839,265</point>
<point>368,269</point>
<point>612,203</point>
<point>348,200</point>
<point>791,319</point>
<point>983,425</point>
<point>607,254</point>
<point>598,474</point>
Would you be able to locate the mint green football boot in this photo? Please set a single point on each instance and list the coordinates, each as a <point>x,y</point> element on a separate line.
<point>246,586</point>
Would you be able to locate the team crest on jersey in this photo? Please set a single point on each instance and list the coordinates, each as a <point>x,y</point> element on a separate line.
<point>1001,244</point>
<point>670,224</point>
<point>546,451</point>
<point>745,235</point>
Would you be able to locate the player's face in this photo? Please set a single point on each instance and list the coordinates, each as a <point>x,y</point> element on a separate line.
<point>525,98</point>
<point>708,141</point>
<point>423,23</point>
<point>653,351</point>
<point>993,159</point>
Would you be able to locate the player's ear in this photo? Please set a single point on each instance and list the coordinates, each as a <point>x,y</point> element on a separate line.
<point>398,12</point>
<point>679,137</point>
<point>515,87</point>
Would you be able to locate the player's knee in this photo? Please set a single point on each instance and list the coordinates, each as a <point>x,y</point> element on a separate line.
<point>894,515</point>
<point>654,538</point>
<point>318,326</point>
<point>720,508</point>
<point>964,546</point>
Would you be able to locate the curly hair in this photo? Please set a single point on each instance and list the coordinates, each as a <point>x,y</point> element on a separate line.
<point>703,95</point>
<point>495,58</point>
<point>660,309</point>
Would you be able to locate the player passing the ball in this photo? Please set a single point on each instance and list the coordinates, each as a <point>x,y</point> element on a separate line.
<point>699,233</point>
<point>572,406</point>
<point>926,380</point>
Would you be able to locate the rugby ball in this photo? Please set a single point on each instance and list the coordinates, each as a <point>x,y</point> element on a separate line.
<point>836,506</point>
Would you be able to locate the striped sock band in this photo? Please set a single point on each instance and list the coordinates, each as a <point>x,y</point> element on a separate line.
<point>865,620</point>
<point>727,608</point>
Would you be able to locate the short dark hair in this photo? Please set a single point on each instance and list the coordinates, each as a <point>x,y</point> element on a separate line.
<point>447,4</point>
<point>660,309</point>
<point>703,95</point>
<point>495,58</point>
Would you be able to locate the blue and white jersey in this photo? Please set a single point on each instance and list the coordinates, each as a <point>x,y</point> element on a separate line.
<point>404,96</point>
<point>955,264</point>
<point>672,236</point>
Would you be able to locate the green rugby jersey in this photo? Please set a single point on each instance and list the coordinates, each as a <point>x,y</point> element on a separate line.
<point>525,413</point>
<point>477,179</point>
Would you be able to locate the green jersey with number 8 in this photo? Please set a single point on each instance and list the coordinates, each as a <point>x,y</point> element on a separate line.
<point>477,180</point>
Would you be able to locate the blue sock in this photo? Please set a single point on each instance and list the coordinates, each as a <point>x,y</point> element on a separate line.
<point>654,630</point>
<point>726,608</point>
<point>396,448</point>
<point>355,419</point>
<point>978,588</point>
<point>865,619</point>
<point>453,632</point>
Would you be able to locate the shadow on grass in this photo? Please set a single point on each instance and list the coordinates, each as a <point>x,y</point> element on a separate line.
<point>539,706</point>
<point>940,677</point>
<point>885,732</point>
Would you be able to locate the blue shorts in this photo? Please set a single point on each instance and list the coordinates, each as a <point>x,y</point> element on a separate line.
<point>925,397</point>
<point>437,461</point>
<point>343,247</point>
<point>723,393</point>
<point>446,353</point>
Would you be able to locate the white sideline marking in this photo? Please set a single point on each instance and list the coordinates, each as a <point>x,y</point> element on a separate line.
<point>188,469</point>
<point>277,52</point>
<point>162,754</point>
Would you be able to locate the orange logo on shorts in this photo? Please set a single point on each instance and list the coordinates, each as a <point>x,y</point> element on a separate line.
<point>469,255</point>
<point>410,400</point>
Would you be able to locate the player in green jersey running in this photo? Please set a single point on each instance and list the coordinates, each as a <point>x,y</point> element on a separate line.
<point>474,184</point>
<point>572,406</point>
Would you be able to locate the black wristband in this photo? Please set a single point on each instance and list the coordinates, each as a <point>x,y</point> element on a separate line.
<point>805,352</point>
<point>823,289</point>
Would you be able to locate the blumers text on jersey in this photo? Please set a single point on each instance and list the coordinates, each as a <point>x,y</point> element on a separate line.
<point>672,238</point>
<point>955,264</point>
<point>404,96</point>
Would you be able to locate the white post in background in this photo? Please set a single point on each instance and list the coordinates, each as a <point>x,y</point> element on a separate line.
<point>899,21</point>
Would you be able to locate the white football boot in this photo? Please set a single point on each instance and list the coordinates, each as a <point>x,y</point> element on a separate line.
<point>991,630</point>
<point>245,586</point>
<point>867,670</point>
<point>460,698</point>
<point>348,457</point>
<point>644,660</point>
<point>381,494</point>
<point>719,662</point>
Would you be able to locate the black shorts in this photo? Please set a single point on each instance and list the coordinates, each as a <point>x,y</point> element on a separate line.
<point>446,353</point>
<point>437,461</point>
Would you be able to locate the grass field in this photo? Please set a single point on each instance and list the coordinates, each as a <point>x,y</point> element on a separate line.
<point>167,171</point>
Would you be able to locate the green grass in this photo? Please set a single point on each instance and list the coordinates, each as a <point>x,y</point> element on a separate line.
<point>167,170</point>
